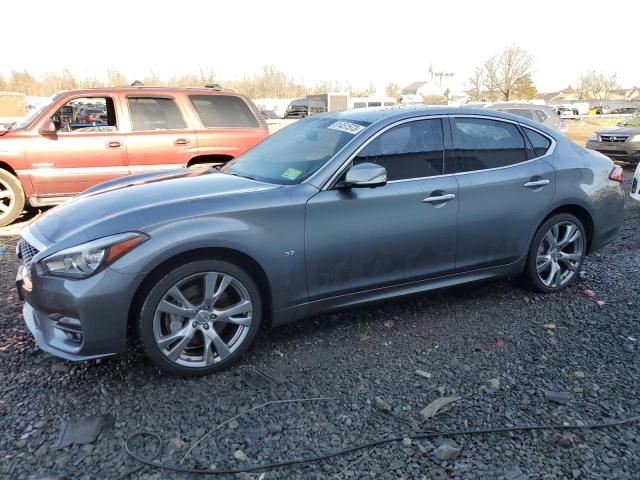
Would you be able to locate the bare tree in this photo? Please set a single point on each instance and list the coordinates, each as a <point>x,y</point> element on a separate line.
<point>504,70</point>
<point>596,85</point>
<point>476,84</point>
<point>363,92</point>
<point>392,90</point>
<point>116,78</point>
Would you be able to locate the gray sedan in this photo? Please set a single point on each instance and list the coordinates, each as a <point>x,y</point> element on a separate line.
<point>621,142</point>
<point>333,211</point>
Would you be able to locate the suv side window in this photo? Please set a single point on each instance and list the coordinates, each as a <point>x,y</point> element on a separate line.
<point>480,143</point>
<point>411,150</point>
<point>224,111</point>
<point>539,142</point>
<point>541,116</point>
<point>154,113</point>
<point>88,114</point>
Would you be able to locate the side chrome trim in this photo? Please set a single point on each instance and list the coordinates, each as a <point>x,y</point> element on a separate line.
<point>550,150</point>
<point>123,169</point>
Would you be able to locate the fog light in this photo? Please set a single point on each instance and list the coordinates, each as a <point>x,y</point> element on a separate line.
<point>71,327</point>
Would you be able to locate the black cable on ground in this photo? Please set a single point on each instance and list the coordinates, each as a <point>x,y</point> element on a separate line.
<point>396,438</point>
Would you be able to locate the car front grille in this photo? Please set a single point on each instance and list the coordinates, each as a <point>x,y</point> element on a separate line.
<point>614,138</point>
<point>27,252</point>
<point>613,153</point>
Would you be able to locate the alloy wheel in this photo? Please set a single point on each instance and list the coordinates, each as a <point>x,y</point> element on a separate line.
<point>202,319</point>
<point>7,199</point>
<point>560,254</point>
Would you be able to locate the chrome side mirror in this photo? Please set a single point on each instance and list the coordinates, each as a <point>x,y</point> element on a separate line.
<point>365,175</point>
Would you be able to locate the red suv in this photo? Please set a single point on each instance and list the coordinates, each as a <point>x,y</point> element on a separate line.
<point>83,137</point>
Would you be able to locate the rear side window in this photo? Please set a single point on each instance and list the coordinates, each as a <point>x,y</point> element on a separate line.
<point>223,111</point>
<point>411,150</point>
<point>480,144</point>
<point>541,116</point>
<point>154,113</point>
<point>539,142</point>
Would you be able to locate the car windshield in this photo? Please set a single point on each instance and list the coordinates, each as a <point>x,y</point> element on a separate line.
<point>294,153</point>
<point>633,121</point>
<point>28,120</point>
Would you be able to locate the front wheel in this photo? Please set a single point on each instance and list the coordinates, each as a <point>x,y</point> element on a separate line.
<point>11,198</point>
<point>556,253</point>
<point>200,317</point>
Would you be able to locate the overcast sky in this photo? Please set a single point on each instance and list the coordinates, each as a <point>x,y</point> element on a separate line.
<point>358,41</point>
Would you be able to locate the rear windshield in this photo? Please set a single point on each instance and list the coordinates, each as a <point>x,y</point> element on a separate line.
<point>223,111</point>
<point>296,152</point>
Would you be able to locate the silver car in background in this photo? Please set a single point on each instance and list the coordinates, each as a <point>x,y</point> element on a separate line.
<point>543,114</point>
<point>333,211</point>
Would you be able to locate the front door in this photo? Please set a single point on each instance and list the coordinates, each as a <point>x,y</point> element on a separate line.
<point>363,238</point>
<point>505,188</point>
<point>160,138</point>
<point>87,148</point>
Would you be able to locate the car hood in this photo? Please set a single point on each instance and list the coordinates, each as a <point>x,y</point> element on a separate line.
<point>620,131</point>
<point>138,195</point>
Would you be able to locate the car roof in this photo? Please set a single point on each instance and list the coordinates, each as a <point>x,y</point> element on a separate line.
<point>149,90</point>
<point>391,114</point>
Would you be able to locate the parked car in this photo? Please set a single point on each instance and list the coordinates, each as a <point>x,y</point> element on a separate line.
<point>303,107</point>
<point>331,211</point>
<point>55,153</point>
<point>543,114</point>
<point>635,185</point>
<point>90,115</point>
<point>566,111</point>
<point>619,143</point>
<point>269,114</point>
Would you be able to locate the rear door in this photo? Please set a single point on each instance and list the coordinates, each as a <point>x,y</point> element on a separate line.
<point>362,238</point>
<point>159,137</point>
<point>504,189</point>
<point>229,126</point>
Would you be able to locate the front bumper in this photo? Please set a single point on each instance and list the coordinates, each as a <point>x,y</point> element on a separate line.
<point>78,319</point>
<point>623,151</point>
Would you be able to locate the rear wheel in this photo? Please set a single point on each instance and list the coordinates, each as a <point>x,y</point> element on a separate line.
<point>200,317</point>
<point>11,198</point>
<point>556,253</point>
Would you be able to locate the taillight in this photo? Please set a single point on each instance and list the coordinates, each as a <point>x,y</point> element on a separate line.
<point>617,174</point>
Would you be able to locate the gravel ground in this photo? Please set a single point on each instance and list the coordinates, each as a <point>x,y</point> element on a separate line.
<point>496,346</point>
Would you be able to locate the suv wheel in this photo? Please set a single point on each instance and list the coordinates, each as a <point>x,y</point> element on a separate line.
<point>200,317</point>
<point>11,198</point>
<point>556,253</point>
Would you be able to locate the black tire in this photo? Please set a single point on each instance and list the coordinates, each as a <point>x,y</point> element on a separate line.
<point>13,205</point>
<point>157,293</point>
<point>530,276</point>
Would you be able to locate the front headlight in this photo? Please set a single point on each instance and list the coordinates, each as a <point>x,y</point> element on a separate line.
<point>84,260</point>
<point>593,137</point>
<point>635,138</point>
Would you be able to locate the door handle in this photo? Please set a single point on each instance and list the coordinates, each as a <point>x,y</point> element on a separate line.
<point>537,183</point>
<point>439,198</point>
<point>114,144</point>
<point>181,141</point>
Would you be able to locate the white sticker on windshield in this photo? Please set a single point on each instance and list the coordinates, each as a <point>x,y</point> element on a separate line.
<point>348,127</point>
